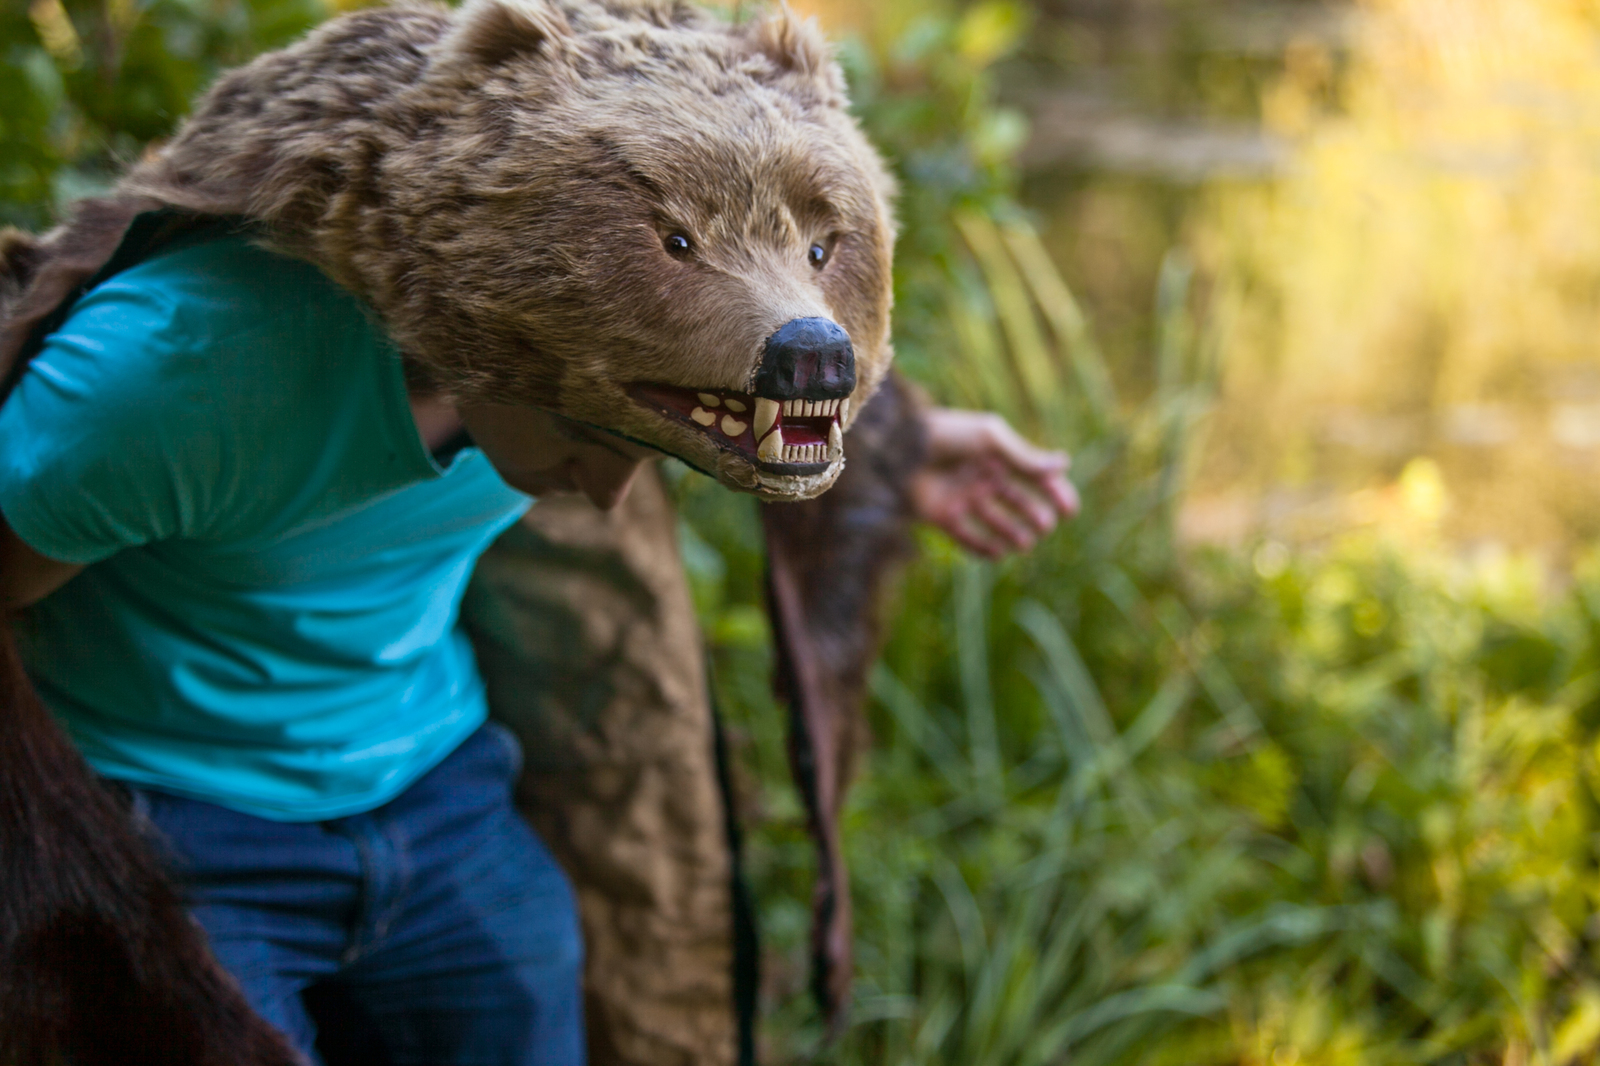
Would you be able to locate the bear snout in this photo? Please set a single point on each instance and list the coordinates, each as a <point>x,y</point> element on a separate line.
<point>807,359</point>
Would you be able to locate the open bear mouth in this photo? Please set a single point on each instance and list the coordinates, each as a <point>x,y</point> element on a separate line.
<point>783,436</point>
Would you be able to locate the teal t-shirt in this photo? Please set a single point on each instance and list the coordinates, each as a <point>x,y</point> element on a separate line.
<point>269,617</point>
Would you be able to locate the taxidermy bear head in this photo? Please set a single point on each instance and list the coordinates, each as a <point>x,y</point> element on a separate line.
<point>624,211</point>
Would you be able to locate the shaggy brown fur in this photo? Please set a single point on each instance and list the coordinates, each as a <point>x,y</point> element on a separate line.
<point>99,963</point>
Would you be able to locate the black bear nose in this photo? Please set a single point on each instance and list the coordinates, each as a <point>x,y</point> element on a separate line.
<point>807,359</point>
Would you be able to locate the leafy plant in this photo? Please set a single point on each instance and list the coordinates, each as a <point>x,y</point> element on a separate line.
<point>86,84</point>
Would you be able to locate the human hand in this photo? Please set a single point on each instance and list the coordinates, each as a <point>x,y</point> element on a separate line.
<point>985,486</point>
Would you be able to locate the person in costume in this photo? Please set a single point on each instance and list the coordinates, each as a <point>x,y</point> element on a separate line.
<point>242,543</point>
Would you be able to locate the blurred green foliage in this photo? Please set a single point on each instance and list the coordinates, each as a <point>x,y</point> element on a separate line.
<point>1123,805</point>
<point>86,84</point>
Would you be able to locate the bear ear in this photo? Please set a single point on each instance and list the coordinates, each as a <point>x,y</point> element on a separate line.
<point>490,32</point>
<point>795,47</point>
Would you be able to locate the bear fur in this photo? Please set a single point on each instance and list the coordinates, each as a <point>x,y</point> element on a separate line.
<point>498,184</point>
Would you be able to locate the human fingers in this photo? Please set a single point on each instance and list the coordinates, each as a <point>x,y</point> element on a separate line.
<point>1021,453</point>
<point>1038,513</point>
<point>966,530</point>
<point>1062,492</point>
<point>1004,523</point>
<point>1056,489</point>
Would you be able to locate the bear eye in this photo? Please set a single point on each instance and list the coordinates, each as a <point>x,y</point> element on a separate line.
<point>677,245</point>
<point>818,255</point>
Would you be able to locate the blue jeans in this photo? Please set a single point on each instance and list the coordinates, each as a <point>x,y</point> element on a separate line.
<point>435,930</point>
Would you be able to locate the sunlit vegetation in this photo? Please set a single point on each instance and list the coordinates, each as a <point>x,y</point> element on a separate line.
<point>1285,752</point>
<point>1423,278</point>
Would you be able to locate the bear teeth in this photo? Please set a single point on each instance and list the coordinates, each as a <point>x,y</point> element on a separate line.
<point>729,418</point>
<point>803,453</point>
<point>812,408</point>
<point>766,415</point>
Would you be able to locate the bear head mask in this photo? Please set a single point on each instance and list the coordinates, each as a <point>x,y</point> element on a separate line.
<point>629,213</point>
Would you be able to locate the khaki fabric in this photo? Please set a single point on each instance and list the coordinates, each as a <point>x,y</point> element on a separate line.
<point>588,643</point>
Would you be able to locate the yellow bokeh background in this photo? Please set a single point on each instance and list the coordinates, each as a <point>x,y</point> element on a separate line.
<point>1421,280</point>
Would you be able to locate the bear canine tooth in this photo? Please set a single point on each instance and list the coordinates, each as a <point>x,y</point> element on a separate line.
<point>735,406</point>
<point>709,400</point>
<point>844,409</point>
<point>702,416</point>
<point>771,449</point>
<point>732,426</point>
<point>835,440</point>
<point>766,415</point>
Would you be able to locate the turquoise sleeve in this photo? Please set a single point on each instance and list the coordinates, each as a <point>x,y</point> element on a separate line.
<point>100,447</point>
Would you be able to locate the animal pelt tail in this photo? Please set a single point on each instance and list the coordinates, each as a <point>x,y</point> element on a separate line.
<point>99,963</point>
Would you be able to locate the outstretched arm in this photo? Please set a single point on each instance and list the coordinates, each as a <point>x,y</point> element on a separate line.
<point>26,576</point>
<point>985,486</point>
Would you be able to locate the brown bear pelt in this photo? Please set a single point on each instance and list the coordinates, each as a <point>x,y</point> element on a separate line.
<point>581,205</point>
<point>500,185</point>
